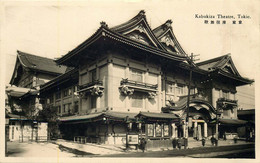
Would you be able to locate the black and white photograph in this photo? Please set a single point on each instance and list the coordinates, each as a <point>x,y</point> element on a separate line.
<point>129,79</point>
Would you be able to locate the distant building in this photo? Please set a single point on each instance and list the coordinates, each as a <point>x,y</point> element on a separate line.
<point>246,97</point>
<point>22,96</point>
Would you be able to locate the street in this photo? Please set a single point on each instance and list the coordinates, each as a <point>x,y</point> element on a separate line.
<point>237,151</point>
<point>51,149</point>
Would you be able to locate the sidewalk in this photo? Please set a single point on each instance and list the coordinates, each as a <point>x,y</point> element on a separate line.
<point>106,149</point>
<point>96,149</point>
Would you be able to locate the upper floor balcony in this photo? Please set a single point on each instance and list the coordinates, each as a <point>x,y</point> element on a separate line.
<point>129,86</point>
<point>94,88</point>
<point>224,103</point>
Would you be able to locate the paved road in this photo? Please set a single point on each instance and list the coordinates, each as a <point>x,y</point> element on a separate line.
<point>235,151</point>
<point>16,149</point>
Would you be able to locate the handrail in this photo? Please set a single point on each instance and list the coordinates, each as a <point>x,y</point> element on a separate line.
<point>137,83</point>
<point>96,82</point>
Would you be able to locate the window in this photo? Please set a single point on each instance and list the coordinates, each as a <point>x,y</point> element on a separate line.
<point>58,95</point>
<point>180,89</point>
<point>192,91</point>
<point>150,129</point>
<point>165,130</point>
<point>137,100</point>
<point>59,109</point>
<point>93,75</point>
<point>93,101</point>
<point>65,93</point>
<point>170,88</point>
<point>69,106</point>
<point>69,91</point>
<point>136,75</point>
<point>225,94</point>
<point>64,108</point>
<point>158,130</point>
<point>76,107</point>
<point>48,101</point>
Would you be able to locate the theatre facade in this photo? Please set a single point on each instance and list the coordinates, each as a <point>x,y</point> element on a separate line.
<point>130,82</point>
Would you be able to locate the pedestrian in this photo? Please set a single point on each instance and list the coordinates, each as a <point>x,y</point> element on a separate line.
<point>203,141</point>
<point>142,144</point>
<point>174,143</point>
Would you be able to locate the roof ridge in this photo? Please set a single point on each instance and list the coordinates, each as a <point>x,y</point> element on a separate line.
<point>212,60</point>
<point>21,52</point>
<point>139,16</point>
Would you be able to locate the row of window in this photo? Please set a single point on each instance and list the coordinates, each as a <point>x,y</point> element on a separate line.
<point>158,130</point>
<point>66,92</point>
<point>226,94</point>
<point>66,108</point>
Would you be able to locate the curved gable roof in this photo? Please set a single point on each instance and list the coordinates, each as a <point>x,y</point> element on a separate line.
<point>165,31</point>
<point>139,23</point>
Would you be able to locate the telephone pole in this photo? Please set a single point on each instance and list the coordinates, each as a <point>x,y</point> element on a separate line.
<point>190,61</point>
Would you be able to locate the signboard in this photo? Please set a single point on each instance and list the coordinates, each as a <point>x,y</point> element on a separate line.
<point>132,139</point>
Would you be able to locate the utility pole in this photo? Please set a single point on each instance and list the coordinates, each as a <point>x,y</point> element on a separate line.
<point>191,60</point>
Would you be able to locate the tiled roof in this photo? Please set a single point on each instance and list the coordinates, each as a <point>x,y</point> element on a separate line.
<point>166,29</point>
<point>158,115</point>
<point>38,63</point>
<point>213,63</point>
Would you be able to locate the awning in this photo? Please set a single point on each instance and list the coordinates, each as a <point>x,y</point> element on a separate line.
<point>16,117</point>
<point>19,91</point>
<point>110,115</point>
<point>231,121</point>
<point>165,116</point>
<point>79,117</point>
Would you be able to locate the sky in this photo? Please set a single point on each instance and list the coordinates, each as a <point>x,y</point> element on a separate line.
<point>51,29</point>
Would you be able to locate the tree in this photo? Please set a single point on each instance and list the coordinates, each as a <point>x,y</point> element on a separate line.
<point>49,114</point>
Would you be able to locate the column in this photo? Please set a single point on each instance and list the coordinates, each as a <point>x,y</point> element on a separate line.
<point>127,75</point>
<point>195,129</point>
<point>159,81</point>
<point>163,91</point>
<point>110,83</point>
<point>205,129</point>
<point>98,102</point>
<point>173,130</point>
<point>199,132</point>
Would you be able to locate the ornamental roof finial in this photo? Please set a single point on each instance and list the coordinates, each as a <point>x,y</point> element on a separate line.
<point>142,12</point>
<point>103,24</point>
<point>168,22</point>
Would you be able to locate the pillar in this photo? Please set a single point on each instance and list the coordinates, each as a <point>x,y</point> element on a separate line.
<point>195,129</point>
<point>205,129</point>
<point>110,83</point>
<point>173,130</point>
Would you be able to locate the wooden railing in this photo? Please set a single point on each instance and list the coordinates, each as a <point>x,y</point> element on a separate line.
<point>139,84</point>
<point>96,82</point>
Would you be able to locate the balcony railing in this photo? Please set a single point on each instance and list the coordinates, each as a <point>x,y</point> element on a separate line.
<point>138,84</point>
<point>227,100</point>
<point>94,88</point>
<point>96,82</point>
<point>224,103</point>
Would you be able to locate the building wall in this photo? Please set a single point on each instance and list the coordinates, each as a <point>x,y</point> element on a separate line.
<point>246,97</point>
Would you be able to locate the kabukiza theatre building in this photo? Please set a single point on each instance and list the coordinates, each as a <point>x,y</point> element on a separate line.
<point>130,82</point>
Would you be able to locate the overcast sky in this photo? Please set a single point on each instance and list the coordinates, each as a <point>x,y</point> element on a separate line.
<point>51,29</point>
